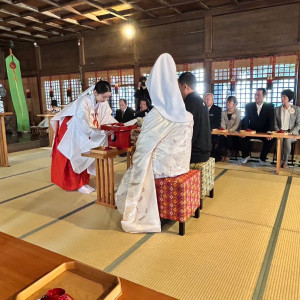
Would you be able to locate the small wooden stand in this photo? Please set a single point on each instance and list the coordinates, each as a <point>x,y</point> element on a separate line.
<point>105,172</point>
<point>3,142</point>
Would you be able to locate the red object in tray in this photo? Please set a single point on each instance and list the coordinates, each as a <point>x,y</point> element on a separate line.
<point>121,138</point>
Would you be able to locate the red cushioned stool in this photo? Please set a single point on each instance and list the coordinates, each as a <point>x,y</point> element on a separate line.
<point>179,197</point>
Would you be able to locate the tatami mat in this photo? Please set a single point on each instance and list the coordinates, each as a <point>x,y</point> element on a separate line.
<point>13,187</point>
<point>284,277</point>
<point>25,161</point>
<point>291,218</point>
<point>92,235</point>
<point>217,259</point>
<point>21,215</point>
<point>220,256</point>
<point>253,166</point>
<point>250,197</point>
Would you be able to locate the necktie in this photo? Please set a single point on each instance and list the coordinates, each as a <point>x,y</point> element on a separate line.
<point>258,110</point>
<point>123,113</point>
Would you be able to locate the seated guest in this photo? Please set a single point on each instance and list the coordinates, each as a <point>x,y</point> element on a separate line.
<point>54,109</point>
<point>145,107</point>
<point>287,118</point>
<point>125,113</point>
<point>215,122</point>
<point>163,149</point>
<point>259,116</point>
<point>231,118</point>
<point>201,142</point>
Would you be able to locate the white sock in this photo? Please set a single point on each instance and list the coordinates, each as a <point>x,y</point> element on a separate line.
<point>84,190</point>
<point>89,188</point>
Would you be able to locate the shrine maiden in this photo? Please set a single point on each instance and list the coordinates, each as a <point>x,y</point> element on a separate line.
<point>163,149</point>
<point>77,130</point>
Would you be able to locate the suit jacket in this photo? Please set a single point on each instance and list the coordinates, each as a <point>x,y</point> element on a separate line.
<point>234,123</point>
<point>262,123</point>
<point>215,116</point>
<point>294,119</point>
<point>201,141</point>
<point>128,115</point>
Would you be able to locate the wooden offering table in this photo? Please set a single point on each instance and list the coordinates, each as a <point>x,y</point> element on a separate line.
<point>3,142</point>
<point>104,157</point>
<point>273,135</point>
<point>51,132</point>
<point>23,263</point>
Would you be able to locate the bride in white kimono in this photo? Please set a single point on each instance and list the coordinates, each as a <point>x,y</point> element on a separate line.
<point>163,149</point>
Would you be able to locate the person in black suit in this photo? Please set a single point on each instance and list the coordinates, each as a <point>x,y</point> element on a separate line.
<point>125,113</point>
<point>215,113</point>
<point>259,116</point>
<point>201,141</point>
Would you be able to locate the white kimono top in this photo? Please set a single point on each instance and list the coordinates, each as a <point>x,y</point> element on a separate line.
<point>83,130</point>
<point>163,150</point>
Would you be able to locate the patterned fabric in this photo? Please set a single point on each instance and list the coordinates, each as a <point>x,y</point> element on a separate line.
<point>178,197</point>
<point>207,170</point>
<point>134,134</point>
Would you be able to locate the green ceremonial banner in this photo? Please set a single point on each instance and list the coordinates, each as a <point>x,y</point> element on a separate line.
<point>17,92</point>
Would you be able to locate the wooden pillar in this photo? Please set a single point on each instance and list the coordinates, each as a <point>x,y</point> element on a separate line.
<point>136,59</point>
<point>297,100</point>
<point>208,35</point>
<point>2,65</point>
<point>38,60</point>
<point>81,61</point>
<point>207,76</point>
<point>208,50</point>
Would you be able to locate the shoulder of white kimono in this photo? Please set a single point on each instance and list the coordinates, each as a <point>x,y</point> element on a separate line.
<point>153,119</point>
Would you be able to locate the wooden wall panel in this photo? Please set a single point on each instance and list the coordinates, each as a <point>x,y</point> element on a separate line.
<point>33,102</point>
<point>60,58</point>
<point>183,40</point>
<point>26,57</point>
<point>107,51</point>
<point>257,29</point>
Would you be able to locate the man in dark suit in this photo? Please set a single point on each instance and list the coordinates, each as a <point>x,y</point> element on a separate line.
<point>201,141</point>
<point>125,113</point>
<point>215,113</point>
<point>259,116</point>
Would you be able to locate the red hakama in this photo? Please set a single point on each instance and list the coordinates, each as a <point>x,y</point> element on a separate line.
<point>62,173</point>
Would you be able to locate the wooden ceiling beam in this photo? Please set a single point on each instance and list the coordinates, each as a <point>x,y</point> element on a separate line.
<point>168,5</point>
<point>35,10</point>
<point>100,7</point>
<point>202,4</point>
<point>138,8</point>
<point>78,13</point>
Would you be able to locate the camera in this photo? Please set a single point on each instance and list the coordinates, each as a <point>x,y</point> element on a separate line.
<point>143,83</point>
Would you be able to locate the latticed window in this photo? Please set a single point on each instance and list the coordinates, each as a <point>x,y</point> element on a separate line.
<point>75,86</point>
<point>1,106</point>
<point>249,74</point>
<point>55,85</point>
<point>196,68</point>
<point>122,84</point>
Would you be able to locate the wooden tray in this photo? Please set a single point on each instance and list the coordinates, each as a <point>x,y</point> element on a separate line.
<point>79,280</point>
<point>103,150</point>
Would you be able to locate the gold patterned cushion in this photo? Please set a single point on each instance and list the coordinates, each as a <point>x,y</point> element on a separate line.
<point>207,170</point>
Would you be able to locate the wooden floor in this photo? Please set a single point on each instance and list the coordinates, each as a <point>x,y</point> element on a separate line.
<point>245,245</point>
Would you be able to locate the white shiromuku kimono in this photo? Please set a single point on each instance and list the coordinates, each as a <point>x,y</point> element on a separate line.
<point>163,149</point>
<point>83,130</point>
